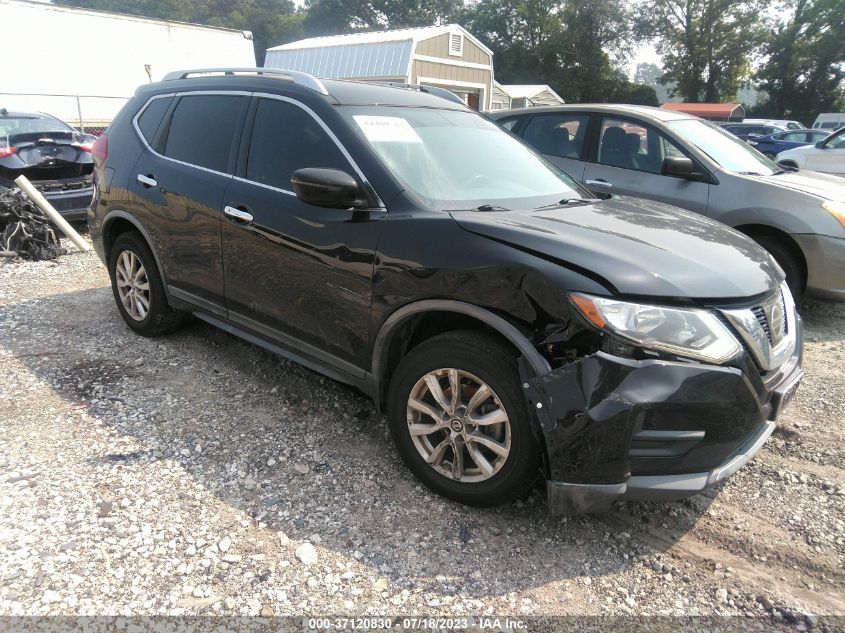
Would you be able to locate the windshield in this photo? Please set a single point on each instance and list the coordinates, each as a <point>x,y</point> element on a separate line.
<point>457,159</point>
<point>24,125</point>
<point>723,147</point>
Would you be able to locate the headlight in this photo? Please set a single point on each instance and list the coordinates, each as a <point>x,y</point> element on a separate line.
<point>686,332</point>
<point>836,209</point>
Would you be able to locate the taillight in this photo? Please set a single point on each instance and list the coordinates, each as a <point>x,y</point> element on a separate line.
<point>85,147</point>
<point>100,149</point>
<point>6,151</point>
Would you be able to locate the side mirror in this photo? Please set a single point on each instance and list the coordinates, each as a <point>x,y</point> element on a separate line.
<point>330,188</point>
<point>820,144</point>
<point>678,166</point>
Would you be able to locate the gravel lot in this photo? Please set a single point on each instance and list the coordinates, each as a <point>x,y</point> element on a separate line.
<point>198,474</point>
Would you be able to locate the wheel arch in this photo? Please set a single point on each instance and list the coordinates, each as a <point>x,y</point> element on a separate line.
<point>400,327</point>
<point>764,230</point>
<point>119,221</point>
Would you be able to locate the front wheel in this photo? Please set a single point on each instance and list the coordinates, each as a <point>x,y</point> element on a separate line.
<point>459,419</point>
<point>787,259</point>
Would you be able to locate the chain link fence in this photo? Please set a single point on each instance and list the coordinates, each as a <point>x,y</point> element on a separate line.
<point>90,114</point>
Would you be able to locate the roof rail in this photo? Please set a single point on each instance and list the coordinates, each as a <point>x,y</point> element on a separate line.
<point>303,79</point>
<point>443,93</point>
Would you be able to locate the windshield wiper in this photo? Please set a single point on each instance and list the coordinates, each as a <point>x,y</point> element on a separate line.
<point>490,207</point>
<point>564,202</point>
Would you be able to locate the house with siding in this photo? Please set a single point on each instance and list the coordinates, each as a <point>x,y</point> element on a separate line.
<point>446,56</point>
<point>523,96</point>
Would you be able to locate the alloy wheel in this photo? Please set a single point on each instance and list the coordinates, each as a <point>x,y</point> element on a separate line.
<point>133,286</point>
<point>458,425</point>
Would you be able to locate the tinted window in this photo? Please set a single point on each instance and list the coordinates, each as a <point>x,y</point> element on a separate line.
<point>798,137</point>
<point>31,124</point>
<point>286,138</point>
<point>202,129</point>
<point>508,124</point>
<point>151,117</point>
<point>632,146</point>
<point>837,141</point>
<point>557,134</point>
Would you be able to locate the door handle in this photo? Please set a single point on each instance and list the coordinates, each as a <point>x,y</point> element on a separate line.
<point>147,181</point>
<point>237,214</point>
<point>598,183</point>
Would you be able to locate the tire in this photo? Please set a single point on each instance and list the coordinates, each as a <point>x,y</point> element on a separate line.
<point>153,316</point>
<point>788,260</point>
<point>480,360</point>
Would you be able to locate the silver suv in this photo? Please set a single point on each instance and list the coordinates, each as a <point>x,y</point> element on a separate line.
<point>798,216</point>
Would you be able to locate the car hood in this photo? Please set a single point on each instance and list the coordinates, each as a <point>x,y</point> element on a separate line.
<point>637,247</point>
<point>814,183</point>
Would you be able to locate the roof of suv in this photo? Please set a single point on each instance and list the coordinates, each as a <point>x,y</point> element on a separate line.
<point>657,114</point>
<point>337,91</point>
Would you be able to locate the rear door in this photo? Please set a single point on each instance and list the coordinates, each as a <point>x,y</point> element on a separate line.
<point>177,188</point>
<point>629,160</point>
<point>295,273</point>
<point>560,137</point>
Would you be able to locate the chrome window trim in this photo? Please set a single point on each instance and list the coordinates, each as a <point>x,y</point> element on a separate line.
<point>262,95</point>
<point>190,93</point>
<point>745,322</point>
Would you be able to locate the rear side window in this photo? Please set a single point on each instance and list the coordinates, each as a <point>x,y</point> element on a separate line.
<point>202,129</point>
<point>557,134</point>
<point>151,117</point>
<point>286,138</point>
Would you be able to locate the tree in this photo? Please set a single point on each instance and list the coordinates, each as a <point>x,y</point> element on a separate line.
<point>706,45</point>
<point>329,17</point>
<point>575,46</point>
<point>805,61</point>
<point>635,94</point>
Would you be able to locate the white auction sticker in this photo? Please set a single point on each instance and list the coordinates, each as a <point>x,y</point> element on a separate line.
<point>386,129</point>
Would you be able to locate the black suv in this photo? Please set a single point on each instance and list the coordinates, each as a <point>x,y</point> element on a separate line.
<point>514,328</point>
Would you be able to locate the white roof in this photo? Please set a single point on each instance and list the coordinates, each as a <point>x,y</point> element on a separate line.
<point>377,37</point>
<point>526,91</point>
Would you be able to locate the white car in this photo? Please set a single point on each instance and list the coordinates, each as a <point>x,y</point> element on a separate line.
<point>826,156</point>
<point>784,123</point>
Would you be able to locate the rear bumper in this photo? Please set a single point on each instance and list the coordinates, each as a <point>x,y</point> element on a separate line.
<point>72,205</point>
<point>618,429</point>
<point>825,265</point>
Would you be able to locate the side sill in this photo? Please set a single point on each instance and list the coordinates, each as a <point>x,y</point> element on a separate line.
<point>364,384</point>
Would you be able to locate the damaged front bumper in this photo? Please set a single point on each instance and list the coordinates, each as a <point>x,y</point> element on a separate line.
<point>617,428</point>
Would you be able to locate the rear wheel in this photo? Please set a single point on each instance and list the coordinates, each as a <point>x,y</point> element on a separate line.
<point>138,289</point>
<point>460,422</point>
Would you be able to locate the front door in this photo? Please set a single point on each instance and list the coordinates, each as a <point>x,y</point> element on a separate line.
<point>830,158</point>
<point>177,192</point>
<point>629,162</point>
<point>298,274</point>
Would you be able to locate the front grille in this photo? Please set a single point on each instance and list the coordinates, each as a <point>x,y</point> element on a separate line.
<point>760,314</point>
<point>766,329</point>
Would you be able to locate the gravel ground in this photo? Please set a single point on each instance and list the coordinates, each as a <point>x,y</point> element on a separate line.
<point>198,474</point>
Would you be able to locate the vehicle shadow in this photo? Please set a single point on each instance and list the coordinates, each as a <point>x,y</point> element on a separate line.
<point>305,455</point>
